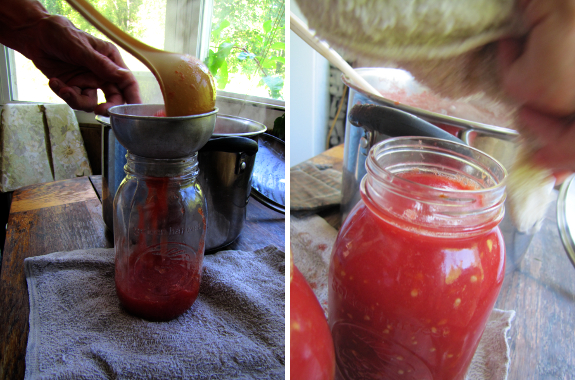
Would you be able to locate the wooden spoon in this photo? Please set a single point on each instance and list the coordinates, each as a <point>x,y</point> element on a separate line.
<point>186,83</point>
<point>301,29</point>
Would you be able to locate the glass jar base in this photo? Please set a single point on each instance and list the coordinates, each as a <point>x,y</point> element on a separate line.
<point>158,310</point>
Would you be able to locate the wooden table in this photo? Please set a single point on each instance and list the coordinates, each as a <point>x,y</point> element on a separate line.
<point>542,292</point>
<point>64,216</point>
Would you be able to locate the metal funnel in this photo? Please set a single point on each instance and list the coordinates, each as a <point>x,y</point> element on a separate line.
<point>146,135</point>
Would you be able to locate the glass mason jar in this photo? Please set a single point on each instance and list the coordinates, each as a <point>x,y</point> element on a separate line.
<point>418,264</point>
<point>159,235</point>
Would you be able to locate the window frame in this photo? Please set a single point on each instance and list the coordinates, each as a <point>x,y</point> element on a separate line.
<point>7,79</point>
<point>196,39</point>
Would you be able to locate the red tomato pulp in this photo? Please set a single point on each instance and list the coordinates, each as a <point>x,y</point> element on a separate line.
<point>311,346</point>
<point>160,279</point>
<point>405,303</point>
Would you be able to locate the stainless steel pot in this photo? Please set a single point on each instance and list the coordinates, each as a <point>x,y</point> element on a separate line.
<point>372,119</point>
<point>268,185</point>
<point>113,161</point>
<point>226,163</point>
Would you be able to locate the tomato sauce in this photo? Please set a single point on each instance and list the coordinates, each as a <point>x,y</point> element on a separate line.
<point>405,303</point>
<point>161,278</point>
<point>438,181</point>
<point>159,300</point>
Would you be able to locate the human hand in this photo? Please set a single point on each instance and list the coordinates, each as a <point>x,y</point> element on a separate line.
<point>555,139</point>
<point>77,64</point>
<point>538,70</point>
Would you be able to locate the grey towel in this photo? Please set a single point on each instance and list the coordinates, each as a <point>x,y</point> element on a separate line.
<point>234,330</point>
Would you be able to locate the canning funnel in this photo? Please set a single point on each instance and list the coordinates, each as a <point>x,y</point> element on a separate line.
<point>182,77</point>
<point>146,135</point>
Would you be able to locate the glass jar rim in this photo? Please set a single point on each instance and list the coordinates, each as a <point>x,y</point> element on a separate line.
<point>452,210</point>
<point>162,167</point>
<point>439,146</point>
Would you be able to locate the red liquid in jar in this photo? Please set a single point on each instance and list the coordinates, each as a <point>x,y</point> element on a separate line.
<point>438,181</point>
<point>163,277</point>
<point>404,304</point>
<point>160,300</point>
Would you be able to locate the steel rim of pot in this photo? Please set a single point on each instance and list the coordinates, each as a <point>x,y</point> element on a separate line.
<point>492,130</point>
<point>258,128</point>
<point>566,217</point>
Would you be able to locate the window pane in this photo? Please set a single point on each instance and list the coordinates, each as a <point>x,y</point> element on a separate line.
<point>247,46</point>
<point>31,84</point>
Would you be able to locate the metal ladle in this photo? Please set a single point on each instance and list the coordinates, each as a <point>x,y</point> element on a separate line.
<point>186,83</point>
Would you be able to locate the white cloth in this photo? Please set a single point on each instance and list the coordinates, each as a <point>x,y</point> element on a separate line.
<point>312,240</point>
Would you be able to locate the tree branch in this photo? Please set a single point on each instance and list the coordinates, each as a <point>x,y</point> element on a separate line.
<point>258,63</point>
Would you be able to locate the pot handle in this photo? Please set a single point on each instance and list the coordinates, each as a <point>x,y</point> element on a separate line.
<point>231,144</point>
<point>395,123</point>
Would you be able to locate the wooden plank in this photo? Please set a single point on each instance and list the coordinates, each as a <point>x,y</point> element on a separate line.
<point>542,292</point>
<point>335,152</point>
<point>332,157</point>
<point>263,227</point>
<point>38,231</point>
<point>97,185</point>
<point>5,201</point>
<point>52,194</point>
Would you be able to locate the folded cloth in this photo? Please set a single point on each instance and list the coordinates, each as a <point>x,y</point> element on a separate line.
<point>234,330</point>
<point>26,132</point>
<point>69,156</point>
<point>24,158</point>
<point>312,240</point>
<point>313,187</point>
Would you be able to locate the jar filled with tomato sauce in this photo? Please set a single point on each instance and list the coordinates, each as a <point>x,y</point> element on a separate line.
<point>418,263</point>
<point>159,236</point>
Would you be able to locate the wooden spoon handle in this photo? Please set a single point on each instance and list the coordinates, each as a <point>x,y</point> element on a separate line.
<point>114,33</point>
<point>322,48</point>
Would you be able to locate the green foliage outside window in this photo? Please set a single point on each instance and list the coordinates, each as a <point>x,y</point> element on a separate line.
<point>249,38</point>
<point>124,14</point>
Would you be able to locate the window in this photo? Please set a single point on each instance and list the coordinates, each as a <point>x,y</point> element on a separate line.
<point>244,47</point>
<point>247,46</point>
